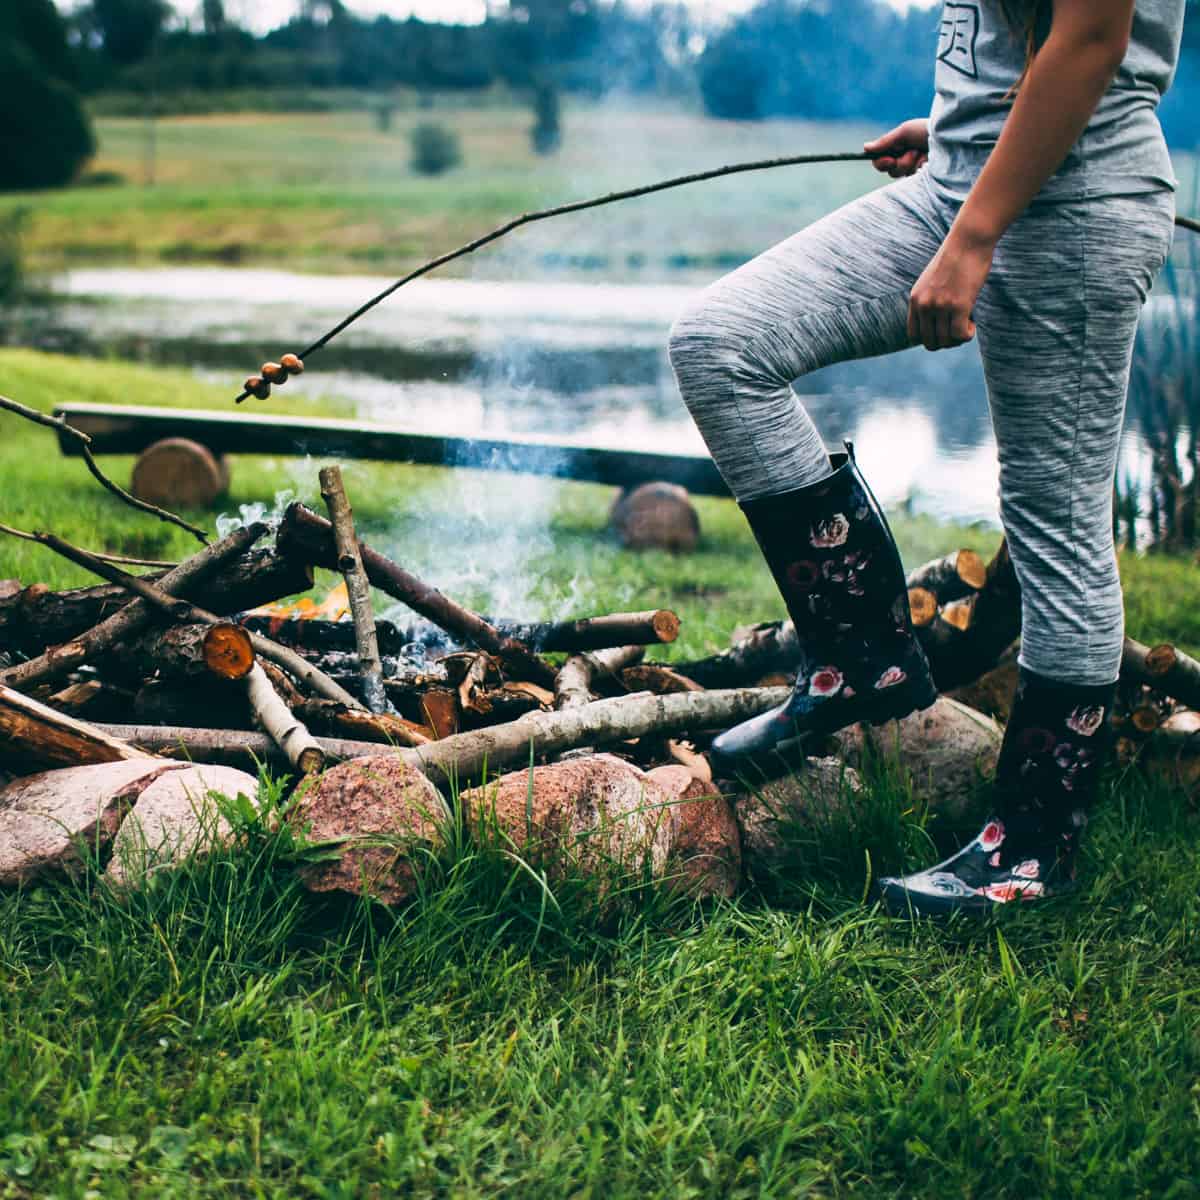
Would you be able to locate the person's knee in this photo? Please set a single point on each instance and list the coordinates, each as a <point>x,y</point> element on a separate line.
<point>695,335</point>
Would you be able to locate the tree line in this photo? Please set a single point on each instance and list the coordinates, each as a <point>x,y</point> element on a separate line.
<point>818,59</point>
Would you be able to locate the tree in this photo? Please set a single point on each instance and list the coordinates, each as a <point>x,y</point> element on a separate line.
<point>546,134</point>
<point>129,27</point>
<point>213,13</point>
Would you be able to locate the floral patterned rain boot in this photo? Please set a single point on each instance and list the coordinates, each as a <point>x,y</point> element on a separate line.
<point>836,564</point>
<point>1054,747</point>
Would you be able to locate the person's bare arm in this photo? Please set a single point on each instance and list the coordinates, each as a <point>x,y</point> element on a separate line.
<point>1071,72</point>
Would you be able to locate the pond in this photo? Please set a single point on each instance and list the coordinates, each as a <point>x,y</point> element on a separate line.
<point>583,362</point>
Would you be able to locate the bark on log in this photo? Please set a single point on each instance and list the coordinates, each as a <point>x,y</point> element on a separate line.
<point>330,717</point>
<point>285,729</point>
<point>574,685</point>
<point>203,702</point>
<point>36,738</point>
<point>358,590</point>
<point>951,578</point>
<point>662,681</point>
<point>615,631</point>
<point>307,535</point>
<point>36,617</point>
<point>1163,668</point>
<point>188,652</point>
<point>767,648</point>
<point>131,619</point>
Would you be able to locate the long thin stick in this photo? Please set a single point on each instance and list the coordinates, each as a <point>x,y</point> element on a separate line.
<point>766,164</point>
<point>283,727</point>
<point>358,590</point>
<point>85,445</point>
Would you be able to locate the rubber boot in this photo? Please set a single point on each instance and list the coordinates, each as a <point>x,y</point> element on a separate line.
<point>836,564</point>
<point>1055,745</point>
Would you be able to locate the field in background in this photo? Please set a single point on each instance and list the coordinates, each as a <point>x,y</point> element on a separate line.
<point>227,1035</point>
<point>331,191</point>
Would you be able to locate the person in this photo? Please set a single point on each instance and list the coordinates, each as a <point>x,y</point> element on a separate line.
<point>1032,211</point>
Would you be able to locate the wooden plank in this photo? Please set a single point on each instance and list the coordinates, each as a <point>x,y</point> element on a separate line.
<point>128,429</point>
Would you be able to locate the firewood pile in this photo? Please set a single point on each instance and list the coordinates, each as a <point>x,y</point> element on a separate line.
<point>125,705</point>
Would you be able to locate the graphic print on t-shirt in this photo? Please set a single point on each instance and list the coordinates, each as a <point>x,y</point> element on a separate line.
<point>960,32</point>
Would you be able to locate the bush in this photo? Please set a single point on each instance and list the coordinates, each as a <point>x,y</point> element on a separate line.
<point>12,271</point>
<point>435,149</point>
<point>44,134</point>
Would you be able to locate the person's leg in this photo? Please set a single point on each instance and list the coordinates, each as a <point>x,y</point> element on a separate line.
<point>836,291</point>
<point>1056,321</point>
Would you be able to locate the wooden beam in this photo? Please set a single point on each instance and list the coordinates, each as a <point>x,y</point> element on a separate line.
<point>129,429</point>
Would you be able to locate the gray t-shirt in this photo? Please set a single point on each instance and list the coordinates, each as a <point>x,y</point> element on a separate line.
<point>1122,151</point>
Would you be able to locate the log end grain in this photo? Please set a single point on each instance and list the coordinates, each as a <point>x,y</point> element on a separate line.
<point>1161,659</point>
<point>923,606</point>
<point>666,625</point>
<point>228,652</point>
<point>656,516</point>
<point>178,472</point>
<point>386,814</point>
<point>958,614</point>
<point>972,569</point>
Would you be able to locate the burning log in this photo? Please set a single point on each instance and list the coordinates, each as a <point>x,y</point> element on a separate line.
<point>34,737</point>
<point>283,728</point>
<point>309,536</point>
<point>35,617</point>
<point>954,577</point>
<point>131,619</point>
<point>349,562</point>
<point>574,685</point>
<point>1163,668</point>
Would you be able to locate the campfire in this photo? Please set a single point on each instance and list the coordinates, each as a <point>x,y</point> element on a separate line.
<point>186,677</point>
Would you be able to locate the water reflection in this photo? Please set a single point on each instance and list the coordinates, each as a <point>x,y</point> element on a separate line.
<point>584,363</point>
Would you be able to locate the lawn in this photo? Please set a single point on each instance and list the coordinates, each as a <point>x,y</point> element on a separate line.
<point>226,1035</point>
<point>331,191</point>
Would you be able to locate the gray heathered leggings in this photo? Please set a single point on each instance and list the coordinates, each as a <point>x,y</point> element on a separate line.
<point>1056,323</point>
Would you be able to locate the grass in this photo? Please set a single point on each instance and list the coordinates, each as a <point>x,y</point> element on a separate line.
<point>224,1034</point>
<point>331,191</point>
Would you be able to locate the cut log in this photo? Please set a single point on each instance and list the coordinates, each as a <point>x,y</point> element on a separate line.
<point>52,822</point>
<point>175,820</point>
<point>599,815</point>
<point>358,590</point>
<point>131,619</point>
<point>36,617</point>
<point>958,615</point>
<point>328,716</point>
<point>656,627</point>
<point>178,472</point>
<point>995,623</point>
<point>282,726</point>
<point>200,702</point>
<point>922,605</point>
<point>188,652</point>
<point>765,648</point>
<point>306,535</point>
<point>1163,668</point>
<point>992,693</point>
<point>439,707</point>
<point>656,516</point>
<point>654,677</point>
<point>951,578</point>
<point>34,737</point>
<point>605,722</point>
<point>384,819</point>
<point>575,680</point>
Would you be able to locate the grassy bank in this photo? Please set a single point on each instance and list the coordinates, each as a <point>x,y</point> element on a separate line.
<point>224,1035</point>
<point>332,191</point>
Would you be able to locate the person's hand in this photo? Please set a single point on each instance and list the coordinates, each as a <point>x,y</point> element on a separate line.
<point>939,309</point>
<point>903,151</point>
